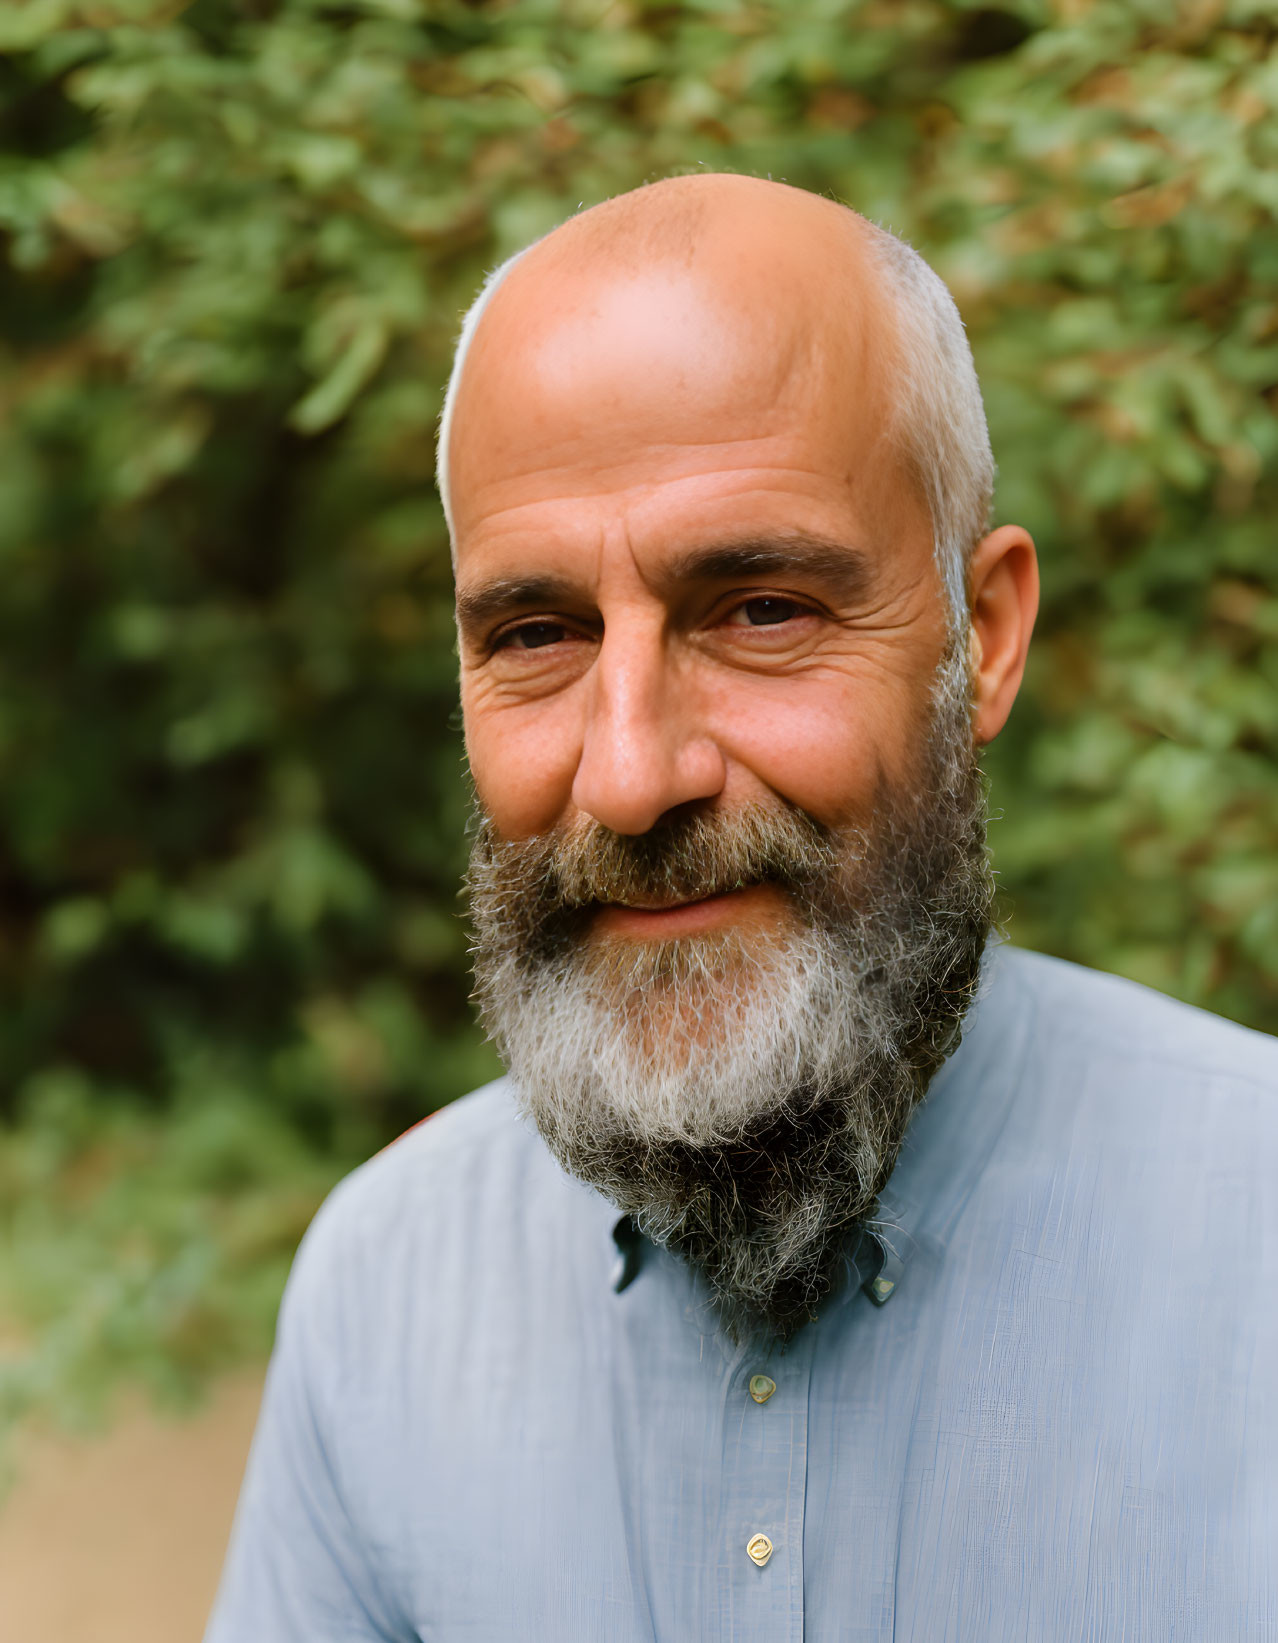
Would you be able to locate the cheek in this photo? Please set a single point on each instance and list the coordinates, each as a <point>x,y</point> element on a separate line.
<point>523,762</point>
<point>829,750</point>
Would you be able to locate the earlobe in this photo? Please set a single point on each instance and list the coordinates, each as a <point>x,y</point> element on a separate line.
<point>1003,584</point>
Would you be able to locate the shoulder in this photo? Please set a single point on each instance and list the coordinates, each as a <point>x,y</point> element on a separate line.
<point>465,1229</point>
<point>449,1195</point>
<point>1098,1068</point>
<point>1135,1145</point>
<point>426,1165</point>
<point>1087,1014</point>
<point>452,1167</point>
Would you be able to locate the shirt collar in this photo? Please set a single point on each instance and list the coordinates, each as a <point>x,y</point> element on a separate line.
<point>947,1146</point>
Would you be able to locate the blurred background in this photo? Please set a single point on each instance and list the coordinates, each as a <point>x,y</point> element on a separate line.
<point>236,239</point>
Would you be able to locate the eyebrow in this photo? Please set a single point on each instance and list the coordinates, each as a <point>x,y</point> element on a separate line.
<point>844,572</point>
<point>506,594</point>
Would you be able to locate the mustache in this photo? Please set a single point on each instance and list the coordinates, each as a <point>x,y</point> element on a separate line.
<point>684,858</point>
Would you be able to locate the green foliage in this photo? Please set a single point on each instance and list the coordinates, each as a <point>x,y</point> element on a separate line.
<point>237,238</point>
<point>135,1249</point>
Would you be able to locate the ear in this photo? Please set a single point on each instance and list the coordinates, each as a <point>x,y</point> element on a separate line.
<point>1003,589</point>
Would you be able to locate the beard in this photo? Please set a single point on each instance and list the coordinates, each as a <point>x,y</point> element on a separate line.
<point>743,1094</point>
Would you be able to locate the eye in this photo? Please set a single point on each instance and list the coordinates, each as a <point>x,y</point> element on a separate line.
<point>531,636</point>
<point>766,611</point>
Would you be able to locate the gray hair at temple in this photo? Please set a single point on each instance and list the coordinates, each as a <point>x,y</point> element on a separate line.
<point>940,418</point>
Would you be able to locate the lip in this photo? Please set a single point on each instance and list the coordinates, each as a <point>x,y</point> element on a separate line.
<point>680,918</point>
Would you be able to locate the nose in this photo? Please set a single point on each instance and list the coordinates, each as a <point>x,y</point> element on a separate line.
<point>642,751</point>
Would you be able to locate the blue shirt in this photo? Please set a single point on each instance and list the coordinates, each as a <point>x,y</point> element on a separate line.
<point>496,1416</point>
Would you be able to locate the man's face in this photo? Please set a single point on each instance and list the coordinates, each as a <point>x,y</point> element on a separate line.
<point>691,572</point>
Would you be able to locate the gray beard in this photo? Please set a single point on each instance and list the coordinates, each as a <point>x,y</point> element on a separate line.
<point>743,1096</point>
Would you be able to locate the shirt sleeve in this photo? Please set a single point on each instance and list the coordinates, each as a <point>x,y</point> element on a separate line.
<point>296,1569</point>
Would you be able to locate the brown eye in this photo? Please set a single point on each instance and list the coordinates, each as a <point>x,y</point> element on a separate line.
<point>766,611</point>
<point>533,635</point>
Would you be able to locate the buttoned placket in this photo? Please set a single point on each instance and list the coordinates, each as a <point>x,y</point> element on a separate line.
<point>765,1473</point>
<point>764,1463</point>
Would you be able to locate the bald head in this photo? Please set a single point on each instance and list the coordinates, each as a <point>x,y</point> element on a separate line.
<point>684,315</point>
<point>691,221</point>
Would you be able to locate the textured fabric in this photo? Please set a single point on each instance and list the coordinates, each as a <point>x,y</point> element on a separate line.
<point>492,1415</point>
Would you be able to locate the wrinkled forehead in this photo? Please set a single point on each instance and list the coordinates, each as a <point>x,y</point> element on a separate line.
<point>599,348</point>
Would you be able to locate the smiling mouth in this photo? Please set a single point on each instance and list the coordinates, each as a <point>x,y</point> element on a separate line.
<point>674,906</point>
<point>666,919</point>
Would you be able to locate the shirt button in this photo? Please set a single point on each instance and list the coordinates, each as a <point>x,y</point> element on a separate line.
<point>759,1549</point>
<point>762,1387</point>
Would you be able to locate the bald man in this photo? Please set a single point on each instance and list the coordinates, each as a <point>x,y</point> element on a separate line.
<point>753,1304</point>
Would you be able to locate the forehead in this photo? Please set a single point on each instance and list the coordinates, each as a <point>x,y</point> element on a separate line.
<point>685,393</point>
